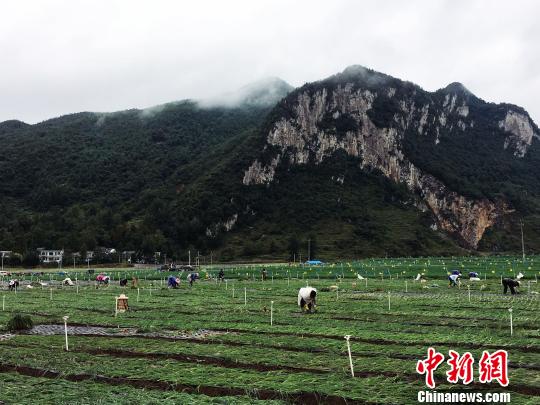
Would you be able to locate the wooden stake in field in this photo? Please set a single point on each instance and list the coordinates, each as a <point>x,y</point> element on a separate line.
<point>469,291</point>
<point>138,292</point>
<point>226,285</point>
<point>51,293</point>
<point>3,302</point>
<point>347,338</point>
<point>406,288</point>
<point>65,332</point>
<point>366,281</point>
<point>233,290</point>
<point>337,295</point>
<point>271,313</point>
<point>245,295</point>
<point>116,307</point>
<point>389,300</point>
<point>511,322</point>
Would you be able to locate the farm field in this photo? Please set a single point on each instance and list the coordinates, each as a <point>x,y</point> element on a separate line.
<point>214,342</point>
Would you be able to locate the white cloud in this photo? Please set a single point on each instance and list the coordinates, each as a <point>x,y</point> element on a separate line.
<point>65,56</point>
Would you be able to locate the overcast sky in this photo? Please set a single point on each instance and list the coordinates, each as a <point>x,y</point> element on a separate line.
<point>64,56</point>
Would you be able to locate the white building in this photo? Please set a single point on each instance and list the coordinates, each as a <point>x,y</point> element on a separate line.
<point>50,256</point>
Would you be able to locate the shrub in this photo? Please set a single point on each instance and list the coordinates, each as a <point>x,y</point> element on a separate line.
<point>20,322</point>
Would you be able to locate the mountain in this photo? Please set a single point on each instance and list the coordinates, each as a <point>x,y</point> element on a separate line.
<point>358,164</point>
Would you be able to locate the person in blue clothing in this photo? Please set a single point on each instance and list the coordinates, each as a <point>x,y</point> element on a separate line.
<point>192,277</point>
<point>173,282</point>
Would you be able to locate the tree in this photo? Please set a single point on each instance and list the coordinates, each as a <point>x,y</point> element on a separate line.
<point>293,247</point>
<point>312,246</point>
<point>31,258</point>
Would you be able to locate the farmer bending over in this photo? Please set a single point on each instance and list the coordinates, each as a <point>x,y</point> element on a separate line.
<point>510,283</point>
<point>454,279</point>
<point>173,282</point>
<point>307,299</point>
<point>191,278</point>
<point>13,284</point>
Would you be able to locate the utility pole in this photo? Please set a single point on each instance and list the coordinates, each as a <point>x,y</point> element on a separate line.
<point>522,240</point>
<point>189,257</point>
<point>309,249</point>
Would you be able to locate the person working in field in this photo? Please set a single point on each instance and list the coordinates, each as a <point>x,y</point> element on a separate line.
<point>13,284</point>
<point>508,282</point>
<point>191,278</point>
<point>103,279</point>
<point>67,281</point>
<point>221,275</point>
<point>173,282</point>
<point>454,279</point>
<point>473,276</point>
<point>307,297</point>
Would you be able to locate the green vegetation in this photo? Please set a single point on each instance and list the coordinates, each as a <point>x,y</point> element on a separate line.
<point>169,179</point>
<point>245,359</point>
<point>19,322</point>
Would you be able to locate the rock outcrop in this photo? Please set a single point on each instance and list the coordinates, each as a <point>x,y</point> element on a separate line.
<point>313,129</point>
<point>520,132</point>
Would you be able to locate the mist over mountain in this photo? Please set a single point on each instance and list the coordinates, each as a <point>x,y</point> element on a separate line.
<point>360,163</point>
<point>263,93</point>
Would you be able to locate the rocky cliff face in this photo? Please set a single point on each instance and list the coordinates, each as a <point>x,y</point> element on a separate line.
<point>520,132</point>
<point>368,116</point>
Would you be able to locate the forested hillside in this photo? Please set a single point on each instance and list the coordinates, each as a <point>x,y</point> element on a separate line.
<point>359,164</point>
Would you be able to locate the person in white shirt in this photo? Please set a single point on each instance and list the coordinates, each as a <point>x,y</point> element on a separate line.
<point>307,297</point>
<point>454,279</point>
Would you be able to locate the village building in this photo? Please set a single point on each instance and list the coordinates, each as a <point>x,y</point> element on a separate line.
<point>50,256</point>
